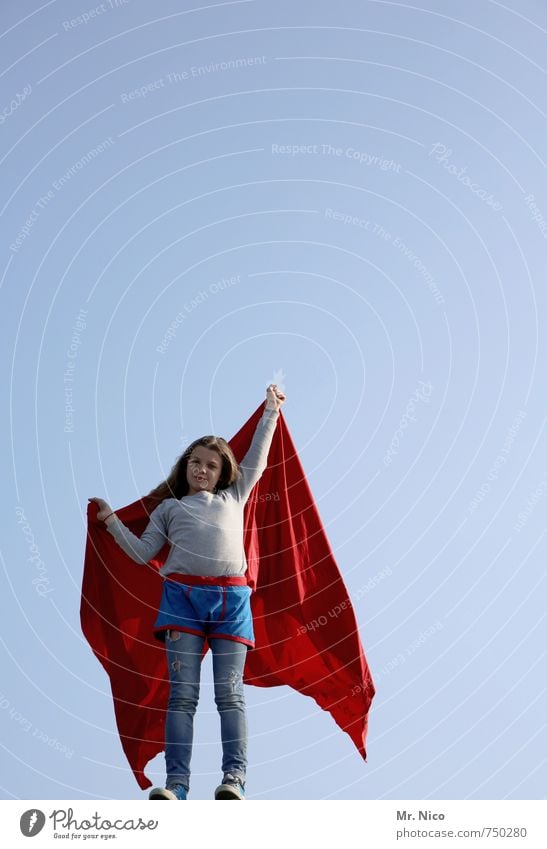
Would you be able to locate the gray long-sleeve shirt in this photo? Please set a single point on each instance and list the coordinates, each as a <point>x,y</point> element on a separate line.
<point>205,530</point>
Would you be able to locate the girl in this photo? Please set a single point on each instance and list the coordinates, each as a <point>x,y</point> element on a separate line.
<point>205,593</point>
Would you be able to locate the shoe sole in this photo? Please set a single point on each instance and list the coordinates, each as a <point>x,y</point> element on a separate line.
<point>161,794</point>
<point>225,791</point>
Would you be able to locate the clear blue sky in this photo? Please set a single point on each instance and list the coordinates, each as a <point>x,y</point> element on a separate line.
<point>197,203</point>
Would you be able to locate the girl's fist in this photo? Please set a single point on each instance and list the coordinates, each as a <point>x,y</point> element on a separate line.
<point>104,507</point>
<point>274,397</point>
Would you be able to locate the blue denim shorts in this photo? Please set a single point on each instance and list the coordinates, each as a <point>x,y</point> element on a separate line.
<point>219,609</point>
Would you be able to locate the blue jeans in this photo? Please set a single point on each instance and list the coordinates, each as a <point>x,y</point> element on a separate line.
<point>184,663</point>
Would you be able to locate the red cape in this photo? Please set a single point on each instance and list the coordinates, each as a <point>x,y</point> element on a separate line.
<point>305,628</point>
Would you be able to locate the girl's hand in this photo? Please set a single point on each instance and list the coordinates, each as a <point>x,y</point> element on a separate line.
<point>104,507</point>
<point>274,397</point>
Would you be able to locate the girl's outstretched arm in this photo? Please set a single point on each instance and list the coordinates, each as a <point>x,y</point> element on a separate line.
<point>256,458</point>
<point>140,549</point>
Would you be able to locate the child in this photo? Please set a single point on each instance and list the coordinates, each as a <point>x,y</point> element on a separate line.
<point>205,593</point>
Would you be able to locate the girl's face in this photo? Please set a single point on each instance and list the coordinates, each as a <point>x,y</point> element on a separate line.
<point>203,470</point>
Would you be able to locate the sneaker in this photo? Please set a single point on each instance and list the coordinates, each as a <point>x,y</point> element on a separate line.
<point>176,791</point>
<point>232,787</point>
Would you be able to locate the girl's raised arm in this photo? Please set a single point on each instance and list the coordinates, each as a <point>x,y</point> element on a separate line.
<point>256,458</point>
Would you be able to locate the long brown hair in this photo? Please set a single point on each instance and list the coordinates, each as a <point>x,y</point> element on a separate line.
<point>176,484</point>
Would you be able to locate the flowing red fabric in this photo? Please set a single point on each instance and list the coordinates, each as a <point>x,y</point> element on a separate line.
<point>305,628</point>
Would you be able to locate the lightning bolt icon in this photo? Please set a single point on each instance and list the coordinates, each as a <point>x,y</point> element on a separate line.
<point>279,377</point>
<point>32,821</point>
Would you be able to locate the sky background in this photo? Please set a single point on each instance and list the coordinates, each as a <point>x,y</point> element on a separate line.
<point>200,200</point>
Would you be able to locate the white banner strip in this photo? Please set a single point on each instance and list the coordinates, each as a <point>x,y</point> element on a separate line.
<point>285,824</point>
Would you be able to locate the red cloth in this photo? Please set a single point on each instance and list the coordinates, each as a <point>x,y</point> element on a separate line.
<point>305,628</point>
